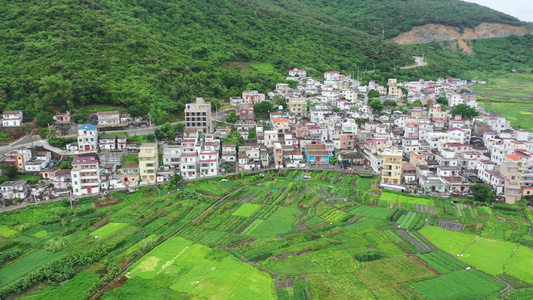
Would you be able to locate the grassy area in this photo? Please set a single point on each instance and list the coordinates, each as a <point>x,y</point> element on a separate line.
<point>520,264</point>
<point>449,241</point>
<point>246,210</point>
<point>108,230</point>
<point>204,272</point>
<point>26,264</point>
<point>388,271</point>
<point>491,262</point>
<point>511,96</point>
<point>465,283</point>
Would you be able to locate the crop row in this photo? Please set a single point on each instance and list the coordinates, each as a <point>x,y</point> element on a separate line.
<point>442,262</point>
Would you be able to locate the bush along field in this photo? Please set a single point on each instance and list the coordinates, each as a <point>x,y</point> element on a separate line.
<point>333,236</point>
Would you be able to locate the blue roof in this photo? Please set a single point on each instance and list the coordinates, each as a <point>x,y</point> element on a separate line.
<point>87,127</point>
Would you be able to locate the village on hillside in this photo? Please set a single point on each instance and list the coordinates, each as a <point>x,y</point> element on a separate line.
<point>405,132</point>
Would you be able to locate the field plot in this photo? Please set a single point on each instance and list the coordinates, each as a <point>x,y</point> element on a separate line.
<point>511,96</point>
<point>108,230</point>
<point>388,271</point>
<point>442,262</point>
<point>371,212</point>
<point>7,232</point>
<point>345,286</point>
<point>74,288</point>
<point>186,267</point>
<point>520,264</point>
<point>280,222</point>
<point>449,241</point>
<point>246,210</point>
<point>468,284</point>
<point>491,262</point>
<point>25,265</point>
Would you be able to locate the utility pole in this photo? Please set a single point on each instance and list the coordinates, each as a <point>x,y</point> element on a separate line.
<point>150,120</point>
<point>383,35</point>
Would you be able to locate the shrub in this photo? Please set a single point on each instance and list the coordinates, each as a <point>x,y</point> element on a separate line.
<point>369,255</point>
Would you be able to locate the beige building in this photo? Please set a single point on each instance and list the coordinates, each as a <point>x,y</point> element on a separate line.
<point>198,115</point>
<point>148,163</point>
<point>394,90</point>
<point>298,106</point>
<point>391,172</point>
<point>513,174</point>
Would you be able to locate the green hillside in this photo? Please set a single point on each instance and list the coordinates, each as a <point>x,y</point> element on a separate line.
<point>160,54</point>
<point>394,16</point>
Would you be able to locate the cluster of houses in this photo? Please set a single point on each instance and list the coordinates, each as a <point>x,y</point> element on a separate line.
<point>421,149</point>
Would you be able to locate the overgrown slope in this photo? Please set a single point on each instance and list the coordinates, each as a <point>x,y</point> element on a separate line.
<point>395,16</point>
<point>160,54</point>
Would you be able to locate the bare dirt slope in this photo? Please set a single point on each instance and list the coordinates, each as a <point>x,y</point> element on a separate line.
<point>436,32</point>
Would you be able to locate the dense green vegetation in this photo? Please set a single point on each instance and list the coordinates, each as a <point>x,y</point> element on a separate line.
<point>157,55</point>
<point>333,236</point>
<point>394,16</point>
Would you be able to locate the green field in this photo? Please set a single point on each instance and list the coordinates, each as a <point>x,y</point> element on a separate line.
<point>449,241</point>
<point>203,272</point>
<point>108,230</point>
<point>263,238</point>
<point>246,210</point>
<point>388,271</point>
<point>491,262</point>
<point>511,96</point>
<point>466,283</point>
<point>24,265</point>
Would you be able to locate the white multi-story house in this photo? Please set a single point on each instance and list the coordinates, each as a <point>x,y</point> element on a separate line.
<point>14,189</point>
<point>208,161</point>
<point>171,155</point>
<point>85,175</point>
<point>12,118</point>
<point>39,162</point>
<point>87,137</point>
<point>271,136</point>
<point>189,159</point>
<point>498,153</point>
<point>108,118</point>
<point>229,152</point>
<point>107,142</point>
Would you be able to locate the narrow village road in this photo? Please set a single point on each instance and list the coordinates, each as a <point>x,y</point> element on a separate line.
<point>419,63</point>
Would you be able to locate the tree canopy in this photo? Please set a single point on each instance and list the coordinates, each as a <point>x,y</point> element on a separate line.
<point>465,111</point>
<point>376,105</point>
<point>482,193</point>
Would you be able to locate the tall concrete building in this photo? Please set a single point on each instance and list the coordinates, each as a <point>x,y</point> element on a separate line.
<point>198,115</point>
<point>391,172</point>
<point>298,106</point>
<point>87,137</point>
<point>85,175</point>
<point>148,163</point>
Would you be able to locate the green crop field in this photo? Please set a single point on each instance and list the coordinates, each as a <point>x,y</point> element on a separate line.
<point>510,96</point>
<point>449,241</point>
<point>108,230</point>
<point>371,212</point>
<point>246,210</point>
<point>520,264</point>
<point>203,272</point>
<point>26,264</point>
<point>491,262</point>
<point>262,238</point>
<point>466,283</point>
<point>388,271</point>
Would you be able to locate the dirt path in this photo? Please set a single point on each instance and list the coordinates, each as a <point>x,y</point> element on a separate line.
<point>420,245</point>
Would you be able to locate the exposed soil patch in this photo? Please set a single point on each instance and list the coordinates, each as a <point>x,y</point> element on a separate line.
<point>436,32</point>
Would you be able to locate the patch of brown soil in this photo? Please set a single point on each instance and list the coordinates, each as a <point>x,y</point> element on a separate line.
<point>436,32</point>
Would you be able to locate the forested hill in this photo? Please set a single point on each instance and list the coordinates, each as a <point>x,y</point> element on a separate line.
<point>394,16</point>
<point>159,54</point>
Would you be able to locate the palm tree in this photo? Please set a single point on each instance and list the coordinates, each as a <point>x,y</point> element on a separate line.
<point>53,132</point>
